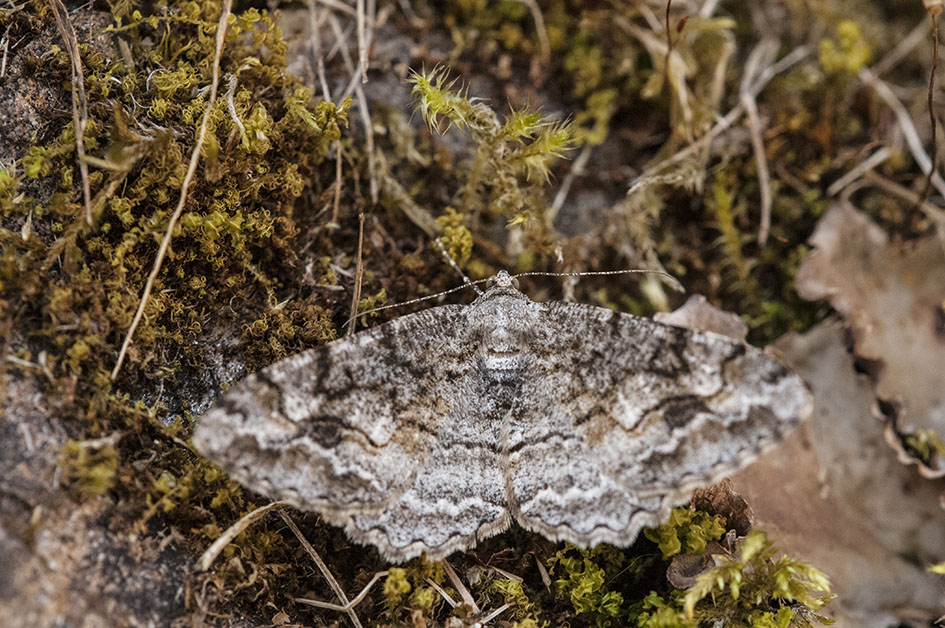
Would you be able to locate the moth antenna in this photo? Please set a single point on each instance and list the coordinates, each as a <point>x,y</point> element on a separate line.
<point>472,284</point>
<point>670,280</point>
<point>455,266</point>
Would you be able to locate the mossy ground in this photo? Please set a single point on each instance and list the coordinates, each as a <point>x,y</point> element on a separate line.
<point>260,266</point>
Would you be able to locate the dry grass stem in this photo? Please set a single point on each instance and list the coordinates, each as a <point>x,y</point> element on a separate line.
<point>358,277</point>
<point>315,42</point>
<point>350,605</point>
<point>892,58</point>
<point>913,141</point>
<point>544,44</point>
<point>795,56</point>
<point>80,110</point>
<point>708,8</point>
<point>932,212</point>
<point>464,593</point>
<point>339,6</point>
<point>761,56</point>
<point>418,215</point>
<point>365,113</point>
<point>5,44</point>
<point>210,555</point>
<point>336,200</point>
<point>577,169</point>
<point>231,107</point>
<point>185,186</point>
<point>442,592</point>
<point>322,567</point>
<point>855,173</point>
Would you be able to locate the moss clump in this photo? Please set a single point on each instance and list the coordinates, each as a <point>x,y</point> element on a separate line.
<point>511,161</point>
<point>846,53</point>
<point>926,445</point>
<point>69,289</point>
<point>687,531</point>
<point>523,609</point>
<point>606,587</point>
<point>756,590</point>
<point>89,467</point>
<point>407,590</point>
<point>583,579</point>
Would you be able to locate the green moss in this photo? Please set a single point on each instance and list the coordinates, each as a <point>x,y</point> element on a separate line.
<point>396,587</point>
<point>926,445</point>
<point>847,52</point>
<point>286,329</point>
<point>687,531</point>
<point>523,610</point>
<point>511,161</point>
<point>89,467</point>
<point>758,591</point>
<point>456,238</point>
<point>406,589</point>
<point>582,580</point>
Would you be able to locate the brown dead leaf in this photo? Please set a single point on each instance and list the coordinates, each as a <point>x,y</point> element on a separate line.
<point>835,495</point>
<point>891,295</point>
<point>697,313</point>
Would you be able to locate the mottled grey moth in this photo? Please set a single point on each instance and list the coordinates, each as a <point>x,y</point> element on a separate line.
<point>441,428</point>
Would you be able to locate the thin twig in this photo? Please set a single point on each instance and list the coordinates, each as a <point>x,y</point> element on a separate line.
<point>669,43</point>
<point>6,49</point>
<point>707,9</point>
<point>932,120</point>
<point>339,6</point>
<point>210,555</point>
<point>577,169</point>
<point>460,587</point>
<point>902,49</point>
<point>363,109</point>
<point>350,605</point>
<point>909,131</point>
<point>761,56</point>
<point>362,41</point>
<point>336,201</point>
<point>932,212</point>
<point>80,107</point>
<point>188,177</point>
<point>358,277</point>
<point>399,197</point>
<point>315,40</point>
<point>544,44</point>
<point>859,170</point>
<point>322,567</point>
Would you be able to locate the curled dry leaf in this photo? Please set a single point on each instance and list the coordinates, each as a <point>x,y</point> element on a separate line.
<point>697,313</point>
<point>833,493</point>
<point>891,295</point>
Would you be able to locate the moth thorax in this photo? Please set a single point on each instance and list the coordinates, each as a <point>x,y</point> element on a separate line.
<point>502,351</point>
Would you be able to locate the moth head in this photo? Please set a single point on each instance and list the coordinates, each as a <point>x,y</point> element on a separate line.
<point>502,279</point>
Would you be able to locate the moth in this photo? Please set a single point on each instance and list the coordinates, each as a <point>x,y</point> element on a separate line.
<point>439,429</point>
